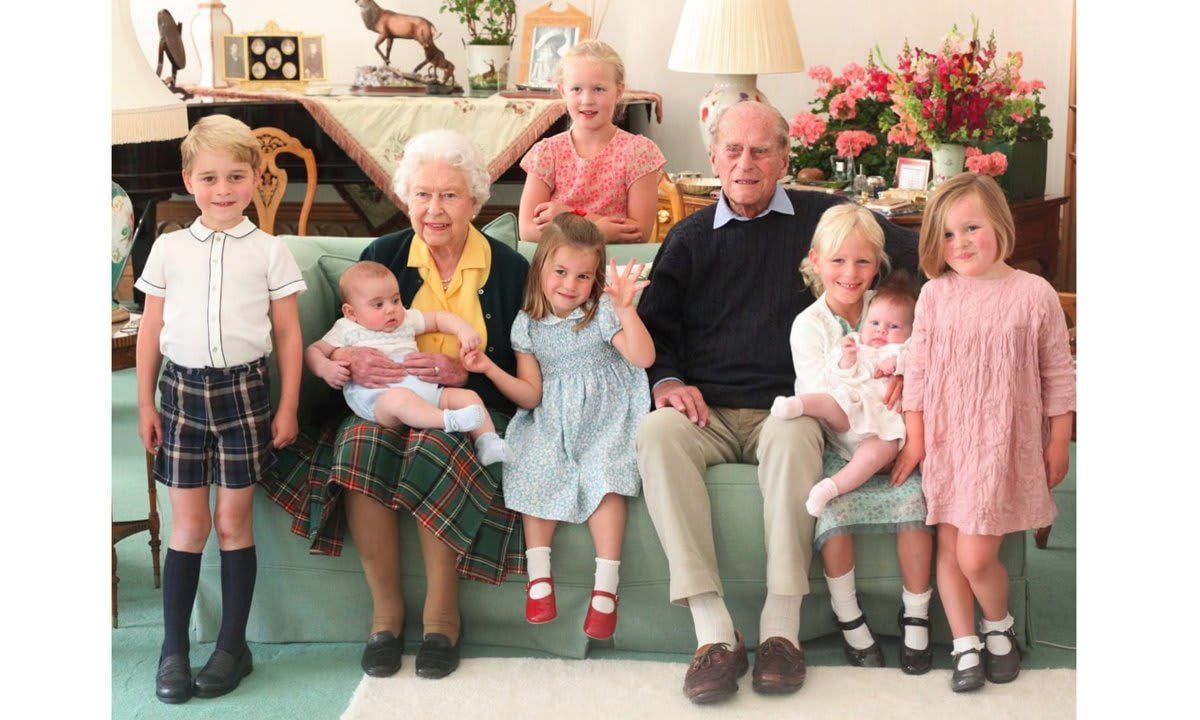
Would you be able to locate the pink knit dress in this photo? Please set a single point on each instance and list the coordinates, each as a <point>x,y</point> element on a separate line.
<point>989,363</point>
<point>598,185</point>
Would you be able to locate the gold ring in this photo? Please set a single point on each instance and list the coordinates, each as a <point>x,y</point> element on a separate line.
<point>437,370</point>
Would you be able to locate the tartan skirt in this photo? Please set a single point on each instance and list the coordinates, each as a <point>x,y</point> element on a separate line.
<point>430,473</point>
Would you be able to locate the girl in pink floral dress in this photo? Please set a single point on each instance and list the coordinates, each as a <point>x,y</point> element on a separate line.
<point>595,169</point>
<point>989,396</point>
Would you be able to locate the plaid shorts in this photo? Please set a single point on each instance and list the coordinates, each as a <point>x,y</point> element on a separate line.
<point>216,425</point>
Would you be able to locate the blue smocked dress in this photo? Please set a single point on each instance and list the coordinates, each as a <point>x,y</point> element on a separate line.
<point>579,443</point>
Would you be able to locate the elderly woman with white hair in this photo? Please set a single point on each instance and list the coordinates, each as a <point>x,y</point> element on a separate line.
<point>442,263</point>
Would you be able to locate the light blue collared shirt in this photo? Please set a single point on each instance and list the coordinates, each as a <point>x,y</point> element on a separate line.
<point>779,203</point>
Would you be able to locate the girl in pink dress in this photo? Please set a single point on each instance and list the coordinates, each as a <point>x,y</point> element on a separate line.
<point>989,395</point>
<point>595,169</point>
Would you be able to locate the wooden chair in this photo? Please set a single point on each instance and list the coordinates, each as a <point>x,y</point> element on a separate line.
<point>269,195</point>
<point>670,209</point>
<point>1067,300</point>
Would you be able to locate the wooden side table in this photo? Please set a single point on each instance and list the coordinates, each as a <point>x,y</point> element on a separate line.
<point>124,355</point>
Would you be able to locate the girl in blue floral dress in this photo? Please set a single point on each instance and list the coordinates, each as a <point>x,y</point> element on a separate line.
<point>581,388</point>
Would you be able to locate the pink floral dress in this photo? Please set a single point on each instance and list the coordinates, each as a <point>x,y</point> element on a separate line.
<point>599,185</point>
<point>988,365</point>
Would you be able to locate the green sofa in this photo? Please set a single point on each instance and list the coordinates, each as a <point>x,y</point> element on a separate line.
<point>302,597</point>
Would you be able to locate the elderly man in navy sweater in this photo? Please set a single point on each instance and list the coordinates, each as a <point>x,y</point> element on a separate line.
<point>725,288</point>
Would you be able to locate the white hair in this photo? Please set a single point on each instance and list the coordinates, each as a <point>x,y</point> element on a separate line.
<point>751,106</point>
<point>452,148</point>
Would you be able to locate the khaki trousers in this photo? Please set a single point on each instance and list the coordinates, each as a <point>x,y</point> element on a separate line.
<point>673,453</point>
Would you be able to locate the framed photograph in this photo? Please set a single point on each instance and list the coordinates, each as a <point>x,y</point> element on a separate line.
<point>234,57</point>
<point>312,57</point>
<point>913,173</point>
<point>545,38</point>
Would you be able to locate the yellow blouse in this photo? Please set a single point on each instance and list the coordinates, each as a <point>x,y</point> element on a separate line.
<point>460,297</point>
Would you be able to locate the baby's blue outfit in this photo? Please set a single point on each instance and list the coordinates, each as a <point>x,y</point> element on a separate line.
<point>396,345</point>
<point>579,444</point>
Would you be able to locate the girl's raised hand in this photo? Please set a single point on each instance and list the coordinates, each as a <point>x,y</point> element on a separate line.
<point>475,361</point>
<point>623,286</point>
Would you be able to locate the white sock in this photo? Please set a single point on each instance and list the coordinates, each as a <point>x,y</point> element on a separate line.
<point>997,644</point>
<point>821,493</point>
<point>787,407</point>
<point>608,576</point>
<point>712,620</point>
<point>490,448</point>
<point>916,605</point>
<point>780,617</point>
<point>967,643</point>
<point>464,419</point>
<point>845,606</point>
<point>538,561</point>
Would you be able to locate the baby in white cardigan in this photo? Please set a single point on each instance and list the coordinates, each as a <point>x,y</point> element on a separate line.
<point>868,433</point>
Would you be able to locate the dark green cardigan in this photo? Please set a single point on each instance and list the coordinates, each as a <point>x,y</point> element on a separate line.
<point>500,299</point>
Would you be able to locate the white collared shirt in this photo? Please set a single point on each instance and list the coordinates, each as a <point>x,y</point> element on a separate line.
<point>217,289</point>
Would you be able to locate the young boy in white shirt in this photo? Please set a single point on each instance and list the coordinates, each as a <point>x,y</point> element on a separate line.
<point>216,293</point>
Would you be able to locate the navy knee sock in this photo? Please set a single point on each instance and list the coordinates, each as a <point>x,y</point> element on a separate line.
<point>181,575</point>
<point>238,571</point>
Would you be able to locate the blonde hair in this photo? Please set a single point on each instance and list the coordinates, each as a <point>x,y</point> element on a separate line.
<point>566,230</point>
<point>360,271</point>
<point>221,133</point>
<point>601,52</point>
<point>836,224</point>
<point>931,246</point>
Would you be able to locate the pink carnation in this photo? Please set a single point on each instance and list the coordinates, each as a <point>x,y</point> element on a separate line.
<point>820,73</point>
<point>853,142</point>
<point>807,128</point>
<point>842,107</point>
<point>857,91</point>
<point>854,72</point>
<point>991,164</point>
<point>1037,85</point>
<point>838,81</point>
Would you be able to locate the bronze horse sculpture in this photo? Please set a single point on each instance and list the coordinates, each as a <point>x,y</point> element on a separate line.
<point>392,25</point>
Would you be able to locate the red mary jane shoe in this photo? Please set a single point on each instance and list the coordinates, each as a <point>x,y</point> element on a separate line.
<point>598,625</point>
<point>541,610</point>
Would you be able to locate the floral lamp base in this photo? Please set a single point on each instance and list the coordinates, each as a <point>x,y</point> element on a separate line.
<point>947,162</point>
<point>122,237</point>
<point>727,90</point>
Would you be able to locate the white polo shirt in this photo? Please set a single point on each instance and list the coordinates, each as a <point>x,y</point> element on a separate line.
<point>217,289</point>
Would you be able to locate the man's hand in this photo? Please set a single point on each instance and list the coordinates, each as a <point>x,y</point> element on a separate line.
<point>684,398</point>
<point>436,368</point>
<point>335,373</point>
<point>150,428</point>
<point>1058,459</point>
<point>284,429</point>
<point>371,368</point>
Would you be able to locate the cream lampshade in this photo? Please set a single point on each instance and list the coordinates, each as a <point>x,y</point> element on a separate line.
<point>735,40</point>
<point>147,121</point>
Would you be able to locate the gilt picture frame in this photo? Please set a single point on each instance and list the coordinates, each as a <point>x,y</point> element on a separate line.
<point>545,37</point>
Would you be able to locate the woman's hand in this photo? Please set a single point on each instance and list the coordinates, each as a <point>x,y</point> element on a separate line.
<point>622,287</point>
<point>477,362</point>
<point>1058,459</point>
<point>371,368</point>
<point>907,460</point>
<point>436,368</point>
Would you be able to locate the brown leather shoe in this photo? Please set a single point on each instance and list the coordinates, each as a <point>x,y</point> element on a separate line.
<point>714,671</point>
<point>778,667</point>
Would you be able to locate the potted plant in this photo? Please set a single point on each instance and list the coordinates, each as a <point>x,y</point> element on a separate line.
<point>1022,136</point>
<point>490,26</point>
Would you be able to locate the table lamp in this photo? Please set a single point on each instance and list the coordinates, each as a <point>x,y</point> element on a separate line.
<point>147,122</point>
<point>735,40</point>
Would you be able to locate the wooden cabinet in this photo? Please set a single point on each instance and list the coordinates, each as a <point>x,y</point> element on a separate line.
<point>1037,222</point>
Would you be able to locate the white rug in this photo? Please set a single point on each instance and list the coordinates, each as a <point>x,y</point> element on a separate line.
<point>534,688</point>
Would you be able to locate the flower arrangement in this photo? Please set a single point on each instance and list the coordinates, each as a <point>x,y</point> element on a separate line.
<point>959,94</point>
<point>851,116</point>
<point>1023,120</point>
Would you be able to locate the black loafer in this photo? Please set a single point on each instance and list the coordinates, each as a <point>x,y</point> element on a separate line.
<point>968,679</point>
<point>384,654</point>
<point>1002,668</point>
<point>437,658</point>
<point>222,673</point>
<point>914,662</point>
<point>173,683</point>
<point>871,656</point>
